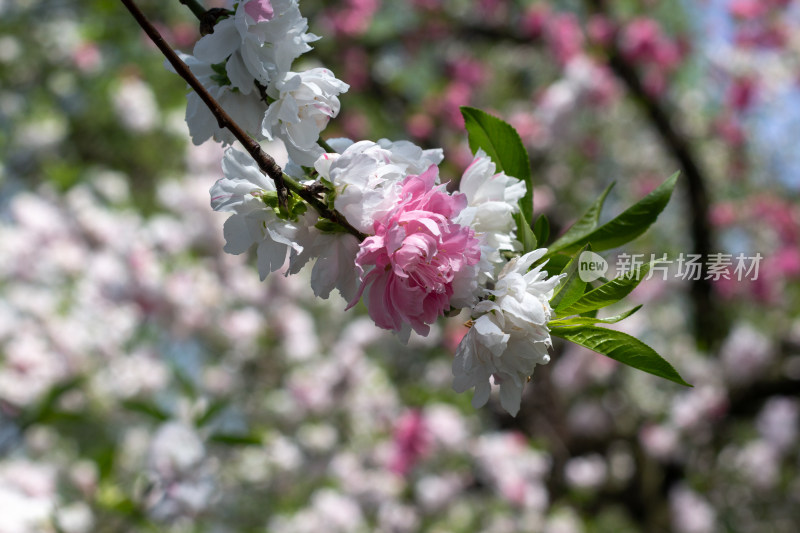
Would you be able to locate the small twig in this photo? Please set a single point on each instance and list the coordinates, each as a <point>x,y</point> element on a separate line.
<point>196,7</point>
<point>210,18</point>
<point>266,163</point>
<point>326,146</point>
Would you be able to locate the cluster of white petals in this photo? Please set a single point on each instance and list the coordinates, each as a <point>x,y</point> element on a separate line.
<point>253,222</point>
<point>245,64</point>
<point>509,336</point>
<point>304,103</point>
<point>492,200</point>
<point>246,109</point>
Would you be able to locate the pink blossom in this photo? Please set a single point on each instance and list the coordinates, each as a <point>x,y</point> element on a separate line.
<point>87,57</point>
<point>420,126</point>
<point>641,39</point>
<point>411,442</point>
<point>259,10</point>
<point>456,95</point>
<point>730,129</point>
<point>468,70</point>
<point>655,82</point>
<point>418,259</point>
<point>741,93</point>
<point>356,65</point>
<point>534,20</point>
<point>600,29</point>
<point>723,214</point>
<point>747,9</point>
<point>564,37</point>
<point>527,125</point>
<point>354,18</point>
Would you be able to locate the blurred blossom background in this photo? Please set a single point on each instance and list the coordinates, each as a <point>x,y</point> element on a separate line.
<point>150,382</point>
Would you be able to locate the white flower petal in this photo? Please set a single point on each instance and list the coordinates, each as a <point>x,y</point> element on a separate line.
<point>481,396</point>
<point>510,396</point>
<point>271,257</point>
<point>237,236</point>
<point>216,47</point>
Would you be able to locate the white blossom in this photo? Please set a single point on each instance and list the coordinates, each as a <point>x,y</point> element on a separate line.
<point>257,49</point>
<point>335,255</point>
<point>366,176</point>
<point>415,159</point>
<point>179,471</point>
<point>253,222</point>
<point>241,54</point>
<point>282,38</point>
<point>492,200</point>
<point>304,103</point>
<point>246,109</point>
<point>510,336</point>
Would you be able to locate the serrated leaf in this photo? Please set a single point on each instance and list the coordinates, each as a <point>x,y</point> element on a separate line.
<point>524,233</point>
<point>607,293</point>
<point>541,229</point>
<point>587,321</point>
<point>586,223</point>
<point>571,288</point>
<point>620,347</point>
<point>627,226</point>
<point>503,145</point>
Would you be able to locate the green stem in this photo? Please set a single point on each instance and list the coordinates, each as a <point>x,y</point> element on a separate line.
<point>196,7</point>
<point>326,146</point>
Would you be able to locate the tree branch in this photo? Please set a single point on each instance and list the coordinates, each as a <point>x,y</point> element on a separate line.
<point>708,318</point>
<point>266,163</point>
<point>195,6</point>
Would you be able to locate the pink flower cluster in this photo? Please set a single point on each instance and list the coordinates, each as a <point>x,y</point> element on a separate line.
<point>353,18</point>
<point>645,43</point>
<point>418,260</point>
<point>761,23</point>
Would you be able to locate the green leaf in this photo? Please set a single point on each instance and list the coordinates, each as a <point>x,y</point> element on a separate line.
<point>585,224</point>
<point>328,226</point>
<point>502,144</point>
<point>608,293</point>
<point>571,288</point>
<point>555,264</point>
<point>524,233</point>
<point>585,320</point>
<point>184,380</point>
<point>620,347</point>
<point>146,408</point>
<point>211,412</point>
<point>541,230</point>
<point>627,226</point>
<point>46,408</point>
<point>229,438</point>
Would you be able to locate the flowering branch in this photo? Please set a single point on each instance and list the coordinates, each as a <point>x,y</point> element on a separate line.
<point>424,251</point>
<point>266,163</point>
